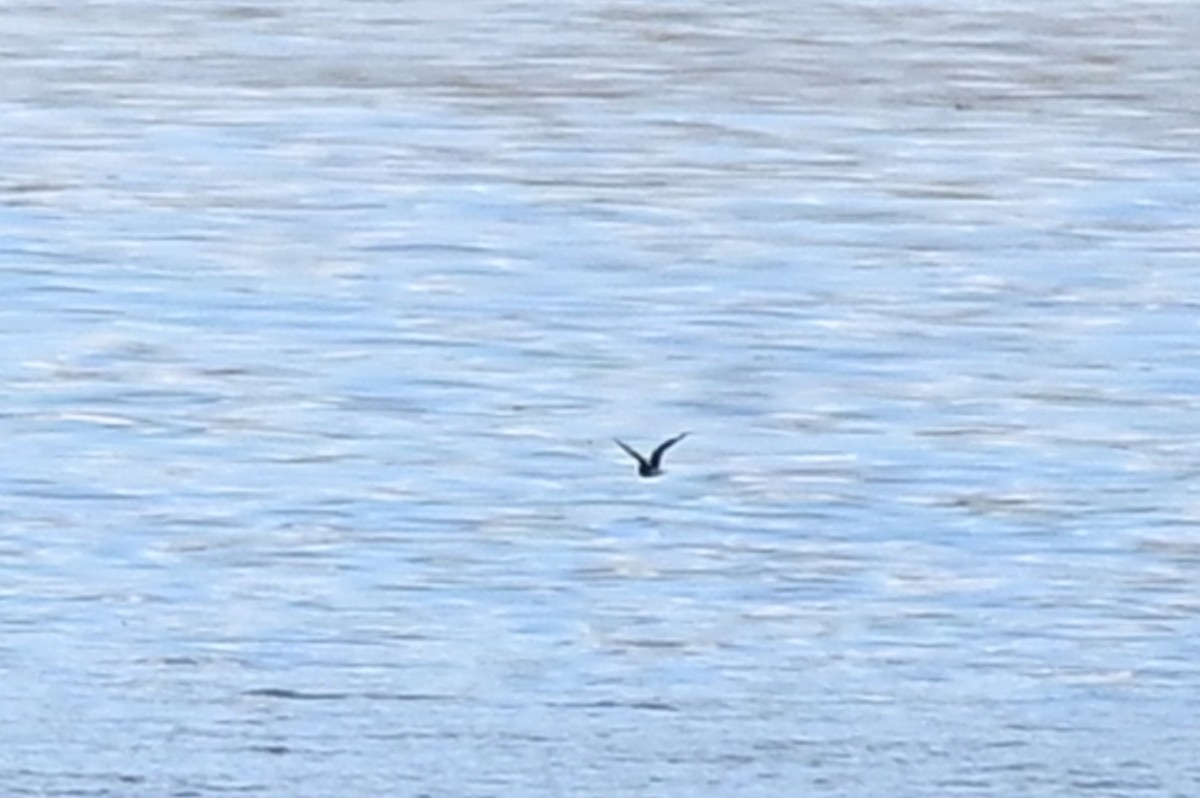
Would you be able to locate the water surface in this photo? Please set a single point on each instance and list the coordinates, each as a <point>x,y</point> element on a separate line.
<point>319,322</point>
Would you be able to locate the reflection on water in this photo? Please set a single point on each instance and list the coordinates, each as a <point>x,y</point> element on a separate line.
<point>321,322</point>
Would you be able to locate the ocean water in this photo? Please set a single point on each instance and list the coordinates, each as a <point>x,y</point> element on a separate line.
<point>320,320</point>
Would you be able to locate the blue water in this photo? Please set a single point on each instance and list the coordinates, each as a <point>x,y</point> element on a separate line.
<point>319,322</point>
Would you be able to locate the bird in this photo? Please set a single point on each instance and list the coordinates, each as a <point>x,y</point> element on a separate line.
<point>653,466</point>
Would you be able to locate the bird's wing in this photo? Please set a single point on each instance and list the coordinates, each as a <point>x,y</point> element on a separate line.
<point>629,451</point>
<point>656,458</point>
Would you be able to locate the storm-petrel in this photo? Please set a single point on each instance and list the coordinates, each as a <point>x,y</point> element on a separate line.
<point>653,467</point>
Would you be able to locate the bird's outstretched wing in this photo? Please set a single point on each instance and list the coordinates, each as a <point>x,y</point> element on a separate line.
<point>656,458</point>
<point>630,451</point>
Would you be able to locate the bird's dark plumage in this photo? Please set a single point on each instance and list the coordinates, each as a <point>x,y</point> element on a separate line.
<point>653,466</point>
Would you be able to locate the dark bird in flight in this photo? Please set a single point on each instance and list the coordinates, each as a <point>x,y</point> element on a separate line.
<point>653,466</point>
